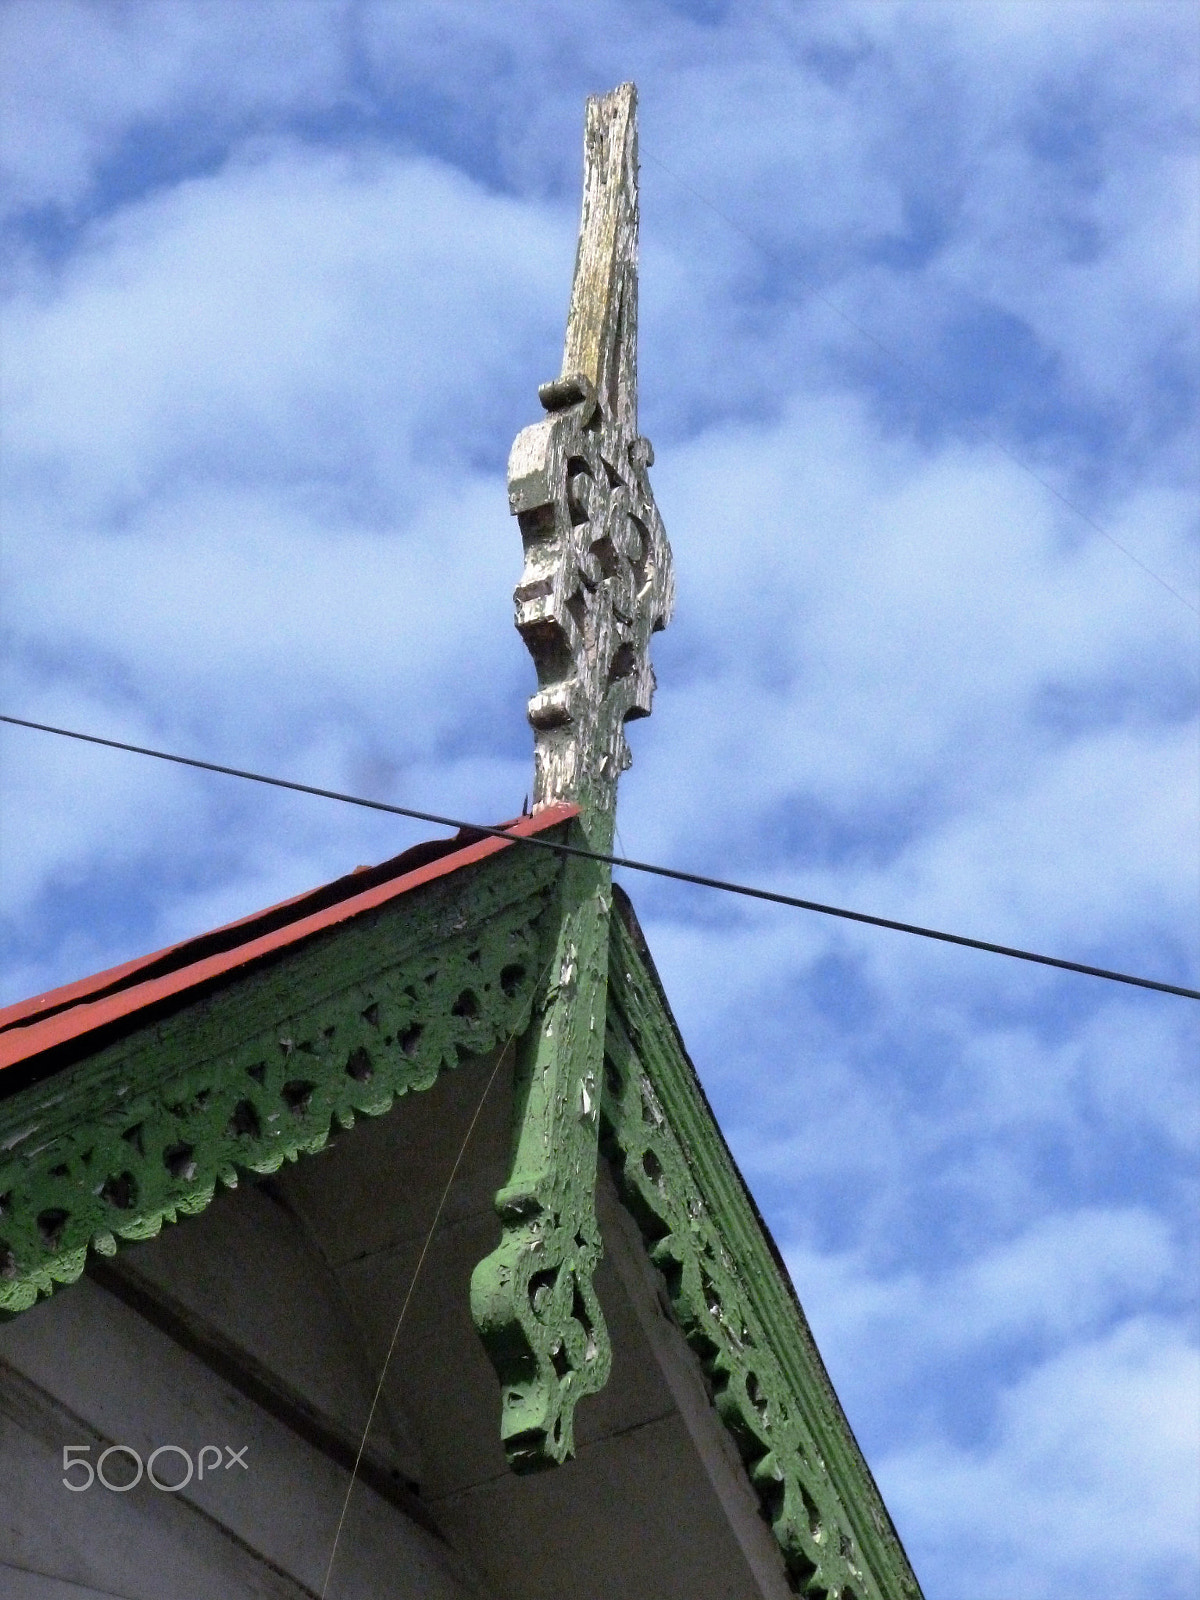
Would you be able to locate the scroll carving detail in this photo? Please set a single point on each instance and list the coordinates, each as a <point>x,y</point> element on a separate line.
<point>598,579</point>
<point>142,1134</point>
<point>597,584</point>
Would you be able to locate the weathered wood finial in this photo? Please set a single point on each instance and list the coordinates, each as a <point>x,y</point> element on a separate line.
<point>597,583</point>
<point>598,578</point>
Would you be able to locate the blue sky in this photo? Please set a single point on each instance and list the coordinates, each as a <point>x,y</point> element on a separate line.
<point>281,283</point>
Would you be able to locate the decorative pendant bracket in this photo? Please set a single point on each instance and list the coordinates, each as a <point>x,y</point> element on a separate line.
<point>597,583</point>
<point>533,1298</point>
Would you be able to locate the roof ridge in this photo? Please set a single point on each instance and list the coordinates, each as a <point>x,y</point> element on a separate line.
<point>31,1026</point>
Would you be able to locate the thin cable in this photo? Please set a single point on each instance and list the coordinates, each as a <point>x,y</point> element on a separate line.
<point>925,382</point>
<point>650,867</point>
<point>437,1217</point>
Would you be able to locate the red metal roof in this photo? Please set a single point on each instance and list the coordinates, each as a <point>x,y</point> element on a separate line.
<point>59,1016</point>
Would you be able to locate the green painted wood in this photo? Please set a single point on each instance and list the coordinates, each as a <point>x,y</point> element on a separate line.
<point>597,584</point>
<point>734,1303</point>
<point>141,1132</point>
<point>263,1070</point>
<point>533,1298</point>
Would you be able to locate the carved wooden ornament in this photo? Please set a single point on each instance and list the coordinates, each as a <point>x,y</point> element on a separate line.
<point>143,1129</point>
<point>598,579</point>
<point>597,583</point>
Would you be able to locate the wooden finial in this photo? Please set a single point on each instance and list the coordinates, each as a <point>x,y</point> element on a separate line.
<point>598,578</point>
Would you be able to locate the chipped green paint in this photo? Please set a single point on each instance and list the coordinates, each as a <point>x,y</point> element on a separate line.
<point>597,584</point>
<point>142,1132</point>
<point>533,1298</point>
<point>731,1299</point>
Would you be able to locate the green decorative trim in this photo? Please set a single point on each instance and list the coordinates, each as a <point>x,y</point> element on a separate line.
<point>260,1072</point>
<point>731,1298</point>
<point>533,1298</point>
<point>597,583</point>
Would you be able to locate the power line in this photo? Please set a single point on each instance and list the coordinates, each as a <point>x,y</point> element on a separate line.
<point>927,384</point>
<point>674,873</point>
<point>412,1284</point>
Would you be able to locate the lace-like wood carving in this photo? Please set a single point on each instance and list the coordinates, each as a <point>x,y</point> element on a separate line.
<point>597,584</point>
<point>598,579</point>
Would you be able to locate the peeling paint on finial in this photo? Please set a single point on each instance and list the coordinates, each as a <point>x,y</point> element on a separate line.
<point>598,578</point>
<point>597,583</point>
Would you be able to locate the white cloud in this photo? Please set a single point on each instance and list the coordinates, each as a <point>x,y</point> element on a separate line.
<point>874,629</point>
<point>1090,1485</point>
<point>80,77</point>
<point>295,275</point>
<point>1065,1276</point>
<point>310,318</point>
<point>1097,1430</point>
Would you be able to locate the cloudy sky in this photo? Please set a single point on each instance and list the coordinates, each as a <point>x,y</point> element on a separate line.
<point>918,311</point>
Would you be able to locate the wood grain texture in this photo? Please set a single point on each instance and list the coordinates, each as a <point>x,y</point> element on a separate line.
<point>597,583</point>
<point>598,580</point>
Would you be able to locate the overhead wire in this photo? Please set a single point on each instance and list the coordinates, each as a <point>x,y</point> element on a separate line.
<point>673,873</point>
<point>412,1284</point>
<point>676,874</point>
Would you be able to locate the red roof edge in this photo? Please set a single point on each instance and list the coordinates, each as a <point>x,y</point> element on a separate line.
<point>48,1021</point>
